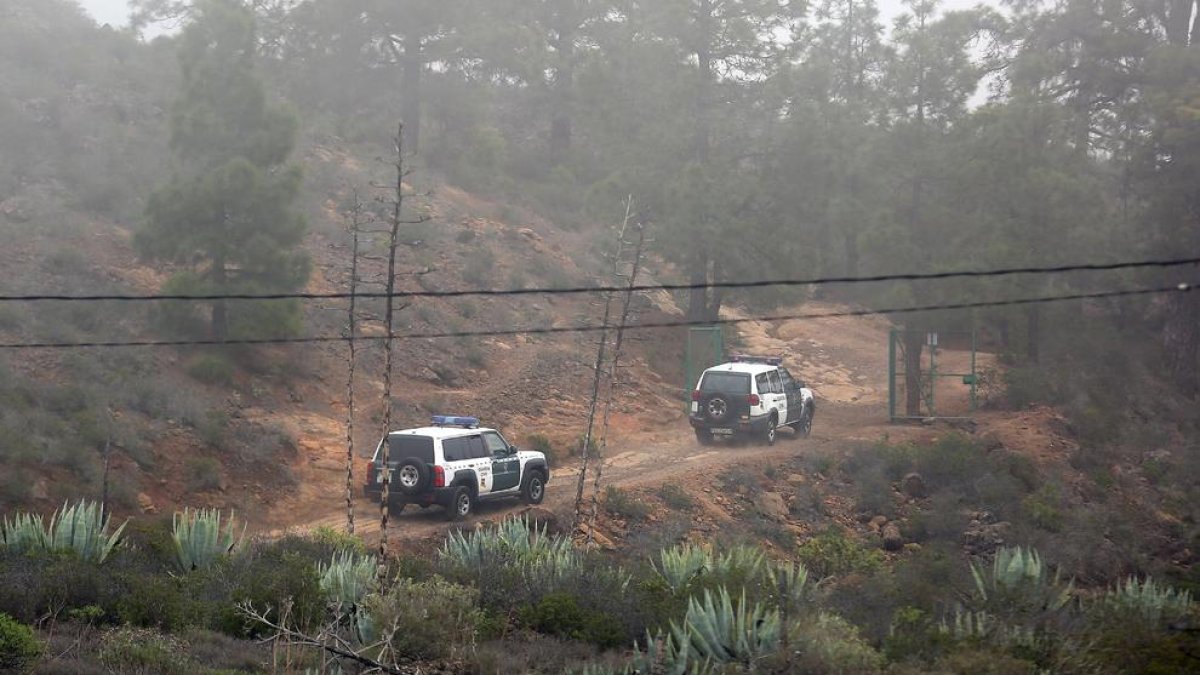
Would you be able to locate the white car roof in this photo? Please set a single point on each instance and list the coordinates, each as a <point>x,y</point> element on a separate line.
<point>441,432</point>
<point>742,367</point>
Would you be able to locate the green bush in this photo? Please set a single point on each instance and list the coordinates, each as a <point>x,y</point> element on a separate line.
<point>338,540</point>
<point>1028,385</point>
<point>1043,508</point>
<point>18,647</point>
<point>268,577</point>
<point>430,619</point>
<point>560,614</point>
<point>833,553</point>
<point>622,504</point>
<point>203,474</point>
<point>676,497</point>
<point>539,443</point>
<point>214,369</point>
<point>160,602</point>
<point>479,266</point>
<point>136,650</point>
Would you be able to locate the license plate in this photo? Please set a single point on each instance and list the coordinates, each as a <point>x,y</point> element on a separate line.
<point>722,432</point>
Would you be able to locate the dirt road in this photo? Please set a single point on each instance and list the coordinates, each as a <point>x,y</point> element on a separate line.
<point>843,359</point>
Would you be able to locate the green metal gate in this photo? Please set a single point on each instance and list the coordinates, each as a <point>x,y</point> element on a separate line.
<point>944,359</point>
<point>705,349</point>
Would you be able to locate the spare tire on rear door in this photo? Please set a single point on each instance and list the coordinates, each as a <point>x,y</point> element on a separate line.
<point>718,408</point>
<point>412,476</point>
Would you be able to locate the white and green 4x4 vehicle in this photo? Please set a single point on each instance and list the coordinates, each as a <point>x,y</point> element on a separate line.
<point>750,396</point>
<point>455,463</point>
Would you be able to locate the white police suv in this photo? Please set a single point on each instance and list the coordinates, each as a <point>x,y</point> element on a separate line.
<point>455,463</point>
<point>750,396</point>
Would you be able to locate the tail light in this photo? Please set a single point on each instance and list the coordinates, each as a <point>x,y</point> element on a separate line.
<point>439,476</point>
<point>696,395</point>
<point>752,399</point>
<point>370,472</point>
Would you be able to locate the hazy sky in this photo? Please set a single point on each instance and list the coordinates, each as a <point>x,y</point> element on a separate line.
<point>106,11</point>
<point>115,11</point>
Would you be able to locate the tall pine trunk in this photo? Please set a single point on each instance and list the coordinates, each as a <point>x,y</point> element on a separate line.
<point>1181,340</point>
<point>1033,334</point>
<point>564,80</point>
<point>220,316</point>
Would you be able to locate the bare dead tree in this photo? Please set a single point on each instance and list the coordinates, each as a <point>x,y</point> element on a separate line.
<point>597,379</point>
<point>356,223</point>
<point>389,346</point>
<point>327,639</point>
<point>615,363</point>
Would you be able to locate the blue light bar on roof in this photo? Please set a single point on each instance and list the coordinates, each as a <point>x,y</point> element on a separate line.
<point>455,421</point>
<point>747,358</point>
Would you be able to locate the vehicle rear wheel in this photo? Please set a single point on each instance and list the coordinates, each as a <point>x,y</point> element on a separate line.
<point>803,426</point>
<point>460,504</point>
<point>769,434</point>
<point>534,489</point>
<point>704,437</point>
<point>395,508</point>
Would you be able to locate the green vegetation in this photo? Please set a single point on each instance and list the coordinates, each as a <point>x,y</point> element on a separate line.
<point>689,609</point>
<point>199,540</point>
<point>18,647</point>
<point>80,528</point>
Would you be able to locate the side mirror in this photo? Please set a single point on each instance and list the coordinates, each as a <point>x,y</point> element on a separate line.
<point>800,384</point>
<point>512,450</point>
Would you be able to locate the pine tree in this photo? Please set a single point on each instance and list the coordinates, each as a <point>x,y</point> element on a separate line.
<point>227,216</point>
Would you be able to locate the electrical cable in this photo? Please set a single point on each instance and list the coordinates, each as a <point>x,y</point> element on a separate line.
<point>576,290</point>
<point>1183,287</point>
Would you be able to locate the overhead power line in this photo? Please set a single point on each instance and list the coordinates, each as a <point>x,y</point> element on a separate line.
<point>577,290</point>
<point>1184,287</point>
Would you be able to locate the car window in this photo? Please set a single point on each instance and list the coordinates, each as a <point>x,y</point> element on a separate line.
<point>403,446</point>
<point>455,449</point>
<point>764,386</point>
<point>725,383</point>
<point>785,378</point>
<point>476,449</point>
<point>776,382</point>
<point>494,442</point>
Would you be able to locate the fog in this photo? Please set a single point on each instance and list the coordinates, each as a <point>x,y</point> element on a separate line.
<point>942,258</point>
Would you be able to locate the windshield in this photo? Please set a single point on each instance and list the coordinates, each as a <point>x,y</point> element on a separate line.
<point>725,383</point>
<point>403,446</point>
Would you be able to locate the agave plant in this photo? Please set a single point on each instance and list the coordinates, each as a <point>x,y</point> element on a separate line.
<point>347,578</point>
<point>1148,600</point>
<point>789,584</point>
<point>81,527</point>
<point>199,539</point>
<point>717,630</point>
<point>26,532</point>
<point>679,565</point>
<point>744,562</point>
<point>1020,580</point>
<point>513,541</point>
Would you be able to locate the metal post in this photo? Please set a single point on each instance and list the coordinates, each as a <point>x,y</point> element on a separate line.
<point>892,375</point>
<point>974,377</point>
<point>932,375</point>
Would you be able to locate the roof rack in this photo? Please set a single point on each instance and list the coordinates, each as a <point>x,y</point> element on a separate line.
<point>455,421</point>
<point>749,358</point>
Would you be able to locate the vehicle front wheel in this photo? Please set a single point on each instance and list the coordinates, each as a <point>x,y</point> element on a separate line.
<point>534,490</point>
<point>704,437</point>
<point>460,504</point>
